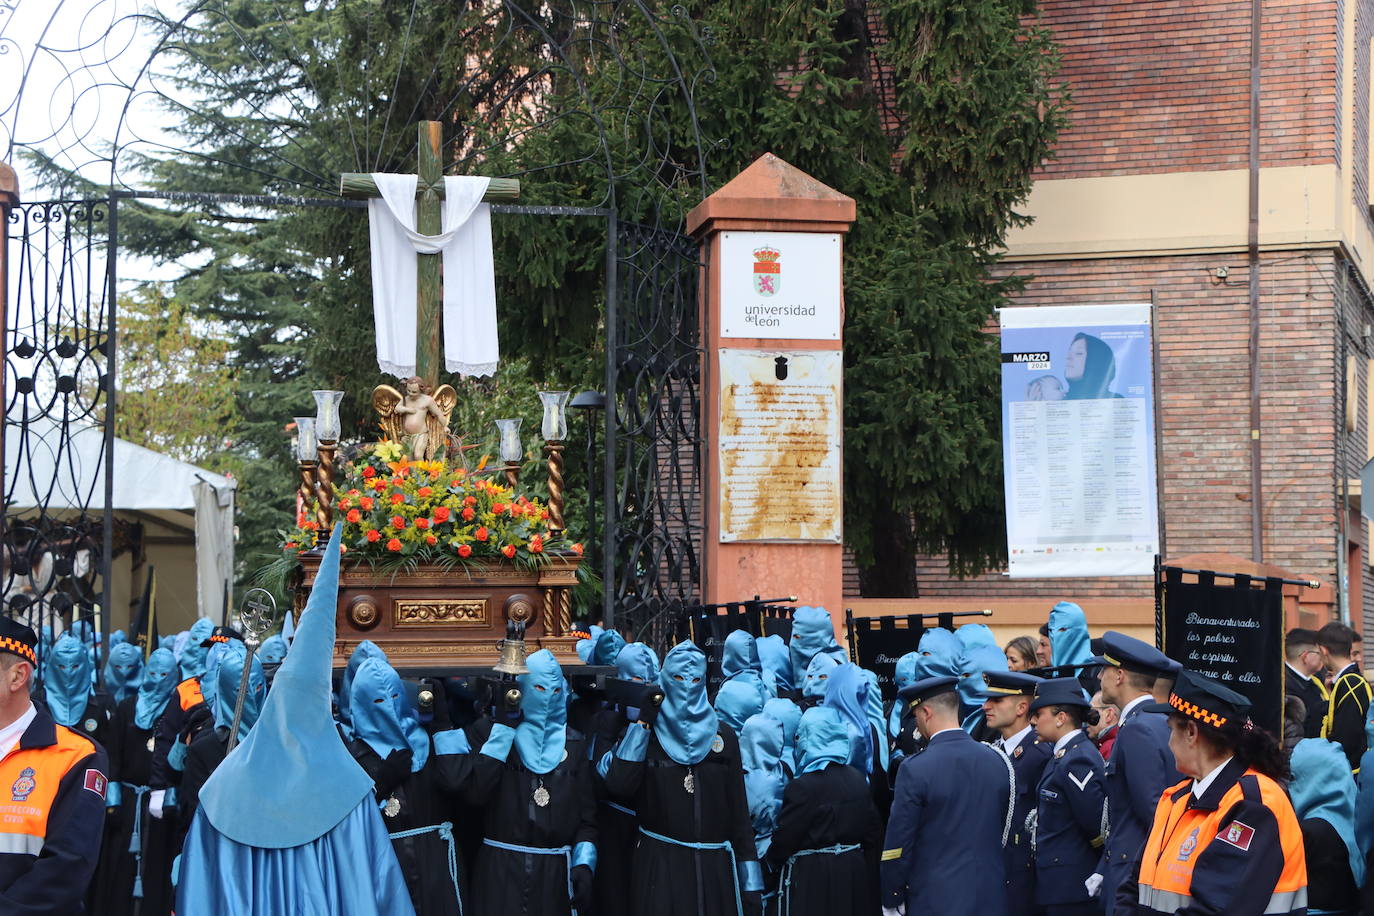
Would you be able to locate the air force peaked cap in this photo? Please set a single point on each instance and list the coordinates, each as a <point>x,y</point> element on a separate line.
<point>1008,684</point>
<point>926,688</point>
<point>1059,691</point>
<point>1121,651</point>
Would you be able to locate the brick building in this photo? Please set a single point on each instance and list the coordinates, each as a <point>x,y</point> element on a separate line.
<point>1150,199</point>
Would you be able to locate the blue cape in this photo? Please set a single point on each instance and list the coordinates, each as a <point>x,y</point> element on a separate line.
<point>975,634</point>
<point>365,650</point>
<point>228,675</point>
<point>1322,787</point>
<point>848,695</point>
<point>741,654</point>
<point>939,655</point>
<point>738,699</point>
<point>542,734</point>
<point>288,626</point>
<point>637,662</point>
<point>1364,802</point>
<point>765,778</point>
<point>293,765</point>
<point>904,676</point>
<point>816,680</point>
<point>1069,640</point>
<point>192,657</point>
<point>776,662</point>
<point>789,714</point>
<point>123,671</point>
<point>273,650</point>
<point>972,666</point>
<point>813,632</point>
<point>874,707</point>
<point>380,716</point>
<point>160,678</point>
<point>822,739</point>
<point>761,744</point>
<point>686,723</point>
<point>584,646</point>
<point>209,679</point>
<point>67,682</point>
<point>607,647</point>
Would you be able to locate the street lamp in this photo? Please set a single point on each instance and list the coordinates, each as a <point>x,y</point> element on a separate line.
<point>555,429</point>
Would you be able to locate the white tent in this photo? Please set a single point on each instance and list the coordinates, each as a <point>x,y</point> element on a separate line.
<point>182,505</point>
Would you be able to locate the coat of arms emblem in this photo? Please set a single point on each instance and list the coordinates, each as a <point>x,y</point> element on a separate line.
<point>23,786</point>
<point>1189,844</point>
<point>767,271</point>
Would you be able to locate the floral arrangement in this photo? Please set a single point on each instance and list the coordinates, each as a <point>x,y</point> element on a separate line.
<point>396,508</point>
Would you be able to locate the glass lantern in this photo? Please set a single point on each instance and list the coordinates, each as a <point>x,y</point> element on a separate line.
<point>555,425</point>
<point>512,450</point>
<point>306,444</point>
<point>327,426</point>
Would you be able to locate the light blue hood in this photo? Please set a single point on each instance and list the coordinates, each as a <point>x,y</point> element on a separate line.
<point>813,632</point>
<point>637,662</point>
<point>741,654</point>
<point>67,682</point>
<point>776,662</point>
<point>123,671</point>
<point>761,744</point>
<point>160,679</point>
<point>972,666</point>
<point>904,676</point>
<point>542,734</point>
<point>584,646</point>
<point>228,676</point>
<point>1322,787</point>
<point>874,708</point>
<point>1069,640</point>
<point>939,654</point>
<point>686,723</point>
<point>209,679</point>
<point>816,680</point>
<point>822,739</point>
<point>365,650</point>
<point>847,694</point>
<point>737,700</point>
<point>381,718</point>
<point>273,650</point>
<point>607,647</point>
<point>192,657</point>
<point>975,634</point>
<point>789,715</point>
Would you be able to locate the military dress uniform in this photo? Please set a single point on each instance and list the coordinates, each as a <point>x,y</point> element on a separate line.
<point>52,807</point>
<point>1028,756</point>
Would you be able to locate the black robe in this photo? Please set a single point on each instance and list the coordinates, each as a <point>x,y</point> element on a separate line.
<point>510,883</point>
<point>617,828</point>
<point>204,754</point>
<point>420,801</point>
<point>670,879</point>
<point>824,808</point>
<point>131,760</point>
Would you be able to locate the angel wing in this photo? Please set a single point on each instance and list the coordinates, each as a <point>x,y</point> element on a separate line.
<point>384,401</point>
<point>447,398</point>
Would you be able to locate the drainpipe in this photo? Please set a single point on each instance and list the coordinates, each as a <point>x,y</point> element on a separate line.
<point>1256,450</point>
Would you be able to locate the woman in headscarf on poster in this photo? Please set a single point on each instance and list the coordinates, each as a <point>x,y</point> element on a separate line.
<point>1089,368</point>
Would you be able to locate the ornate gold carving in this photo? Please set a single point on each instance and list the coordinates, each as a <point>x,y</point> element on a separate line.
<point>363,612</point>
<point>437,612</point>
<point>519,608</point>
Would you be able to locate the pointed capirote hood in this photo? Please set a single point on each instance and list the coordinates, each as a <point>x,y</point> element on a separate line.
<point>292,780</point>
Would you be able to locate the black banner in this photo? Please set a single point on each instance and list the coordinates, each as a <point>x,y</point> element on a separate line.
<point>708,626</point>
<point>877,642</point>
<point>1232,631</point>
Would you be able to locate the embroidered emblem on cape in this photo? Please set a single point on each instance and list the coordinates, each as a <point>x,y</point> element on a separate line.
<point>541,797</point>
<point>1238,835</point>
<point>717,744</point>
<point>1189,844</point>
<point>1082,784</point>
<point>23,786</point>
<point>95,782</point>
<point>89,725</point>
<point>392,807</point>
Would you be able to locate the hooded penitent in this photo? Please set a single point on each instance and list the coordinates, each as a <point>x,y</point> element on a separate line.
<point>741,654</point>
<point>874,708</point>
<point>381,717</point>
<point>761,751</point>
<point>365,650</point>
<point>776,662</point>
<point>686,722</point>
<point>847,694</point>
<point>1099,370</point>
<point>542,733</point>
<point>123,671</point>
<point>637,662</point>
<point>813,633</point>
<point>822,739</point>
<point>789,716</point>
<point>975,634</point>
<point>607,647</point>
<point>737,700</point>
<point>228,676</point>
<point>904,676</point>
<point>193,655</point>
<point>584,646</point>
<point>209,679</point>
<point>1322,787</point>
<point>272,651</point>
<point>1069,641</point>
<point>816,680</point>
<point>67,681</point>
<point>938,655</point>
<point>160,678</point>
<point>972,666</point>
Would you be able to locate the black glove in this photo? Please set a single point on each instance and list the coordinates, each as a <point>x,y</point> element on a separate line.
<point>508,715</point>
<point>393,771</point>
<point>753,903</point>
<point>440,720</point>
<point>648,713</point>
<point>582,887</point>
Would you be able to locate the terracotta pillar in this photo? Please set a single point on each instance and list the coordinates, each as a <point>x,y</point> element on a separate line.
<point>771,242</point>
<point>9,198</point>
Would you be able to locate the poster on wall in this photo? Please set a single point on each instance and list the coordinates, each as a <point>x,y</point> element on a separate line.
<point>1078,441</point>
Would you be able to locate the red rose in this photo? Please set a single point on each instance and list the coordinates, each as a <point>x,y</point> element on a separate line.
<point>354,516</point>
<point>423,491</point>
<point>422,523</point>
<point>498,508</point>
<point>509,551</point>
<point>393,545</point>
<point>374,535</point>
<point>290,545</point>
<point>480,534</point>
<point>544,515</point>
<point>345,503</point>
<point>517,510</point>
<point>353,493</point>
<point>369,471</point>
<point>397,482</point>
<point>577,549</point>
<point>469,500</point>
<point>468,514</point>
<point>464,550</point>
<point>431,540</point>
<point>536,544</point>
<point>397,522</point>
<point>440,514</point>
<point>300,519</point>
<point>366,503</point>
<point>397,499</point>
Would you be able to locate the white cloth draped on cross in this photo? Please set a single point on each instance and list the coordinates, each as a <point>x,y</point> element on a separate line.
<point>469,301</point>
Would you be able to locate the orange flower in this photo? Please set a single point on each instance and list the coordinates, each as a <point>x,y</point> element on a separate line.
<point>422,523</point>
<point>469,500</point>
<point>498,508</point>
<point>290,545</point>
<point>536,544</point>
<point>397,482</point>
<point>300,519</point>
<point>433,473</point>
<point>441,514</point>
<point>343,548</point>
<point>369,471</point>
<point>345,503</point>
<point>480,534</point>
<point>397,499</point>
<point>543,516</point>
<point>398,522</point>
<point>355,516</point>
<point>423,491</point>
<point>366,503</point>
<point>509,551</point>
<point>464,550</point>
<point>468,514</point>
<point>577,549</point>
<point>354,493</point>
<point>393,545</point>
<point>373,535</point>
<point>431,540</point>
<point>379,484</point>
<point>460,472</point>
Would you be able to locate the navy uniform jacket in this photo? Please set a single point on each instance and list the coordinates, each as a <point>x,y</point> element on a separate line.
<point>52,813</point>
<point>1068,831</point>
<point>943,851</point>
<point>1141,768</point>
<point>1028,760</point>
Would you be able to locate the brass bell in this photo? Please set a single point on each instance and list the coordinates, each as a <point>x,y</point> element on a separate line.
<point>512,657</point>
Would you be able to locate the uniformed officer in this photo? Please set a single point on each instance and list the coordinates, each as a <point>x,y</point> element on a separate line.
<point>1141,766</point>
<point>1226,838</point>
<point>52,793</point>
<point>943,849</point>
<point>1069,812</point>
<point>1007,698</point>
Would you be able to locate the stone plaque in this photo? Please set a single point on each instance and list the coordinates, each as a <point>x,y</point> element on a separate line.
<point>781,429</point>
<point>440,612</point>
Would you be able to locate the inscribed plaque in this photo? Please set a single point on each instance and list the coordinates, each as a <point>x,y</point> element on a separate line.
<point>780,436</point>
<point>780,285</point>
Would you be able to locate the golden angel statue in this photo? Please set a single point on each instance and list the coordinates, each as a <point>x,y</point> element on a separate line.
<point>416,419</point>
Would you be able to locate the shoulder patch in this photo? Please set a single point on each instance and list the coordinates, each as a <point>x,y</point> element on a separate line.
<point>1081,783</point>
<point>95,782</point>
<point>1238,835</point>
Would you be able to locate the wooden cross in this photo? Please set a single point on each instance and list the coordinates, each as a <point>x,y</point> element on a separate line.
<point>429,284</point>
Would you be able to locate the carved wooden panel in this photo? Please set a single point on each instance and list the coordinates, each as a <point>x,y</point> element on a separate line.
<point>440,612</point>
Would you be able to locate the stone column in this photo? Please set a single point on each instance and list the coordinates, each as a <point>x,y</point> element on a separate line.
<point>771,392</point>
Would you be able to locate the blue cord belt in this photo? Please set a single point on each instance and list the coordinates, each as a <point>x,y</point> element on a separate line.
<point>785,885</point>
<point>730,850</point>
<point>136,838</point>
<point>564,851</point>
<point>445,831</point>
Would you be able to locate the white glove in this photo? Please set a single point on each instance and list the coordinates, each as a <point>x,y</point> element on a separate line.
<point>155,802</point>
<point>1093,884</point>
<point>898,910</point>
